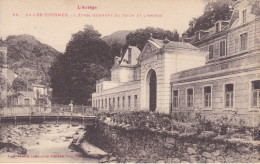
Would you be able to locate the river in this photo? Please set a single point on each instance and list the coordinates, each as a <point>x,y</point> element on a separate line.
<point>44,143</point>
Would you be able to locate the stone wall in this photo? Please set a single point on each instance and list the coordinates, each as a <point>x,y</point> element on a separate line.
<point>145,145</point>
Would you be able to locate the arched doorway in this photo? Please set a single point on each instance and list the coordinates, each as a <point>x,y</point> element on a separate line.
<point>152,91</point>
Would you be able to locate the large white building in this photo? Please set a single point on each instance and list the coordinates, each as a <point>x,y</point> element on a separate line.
<point>216,71</point>
<point>141,80</point>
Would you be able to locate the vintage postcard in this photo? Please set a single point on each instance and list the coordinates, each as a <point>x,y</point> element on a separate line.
<point>129,81</point>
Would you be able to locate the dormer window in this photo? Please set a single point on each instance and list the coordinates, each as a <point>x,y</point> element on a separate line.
<point>217,27</point>
<point>197,35</point>
<point>244,16</point>
<point>211,51</point>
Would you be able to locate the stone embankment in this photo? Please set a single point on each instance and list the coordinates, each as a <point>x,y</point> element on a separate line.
<point>145,145</point>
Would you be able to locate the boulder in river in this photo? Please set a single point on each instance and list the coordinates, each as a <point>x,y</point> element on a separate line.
<point>11,147</point>
<point>92,151</point>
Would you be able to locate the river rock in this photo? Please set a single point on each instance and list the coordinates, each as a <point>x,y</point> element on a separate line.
<point>21,150</point>
<point>104,160</point>
<point>112,159</point>
<point>91,150</point>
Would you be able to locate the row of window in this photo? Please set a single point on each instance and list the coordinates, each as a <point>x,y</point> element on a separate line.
<point>222,46</point>
<point>111,102</point>
<point>207,96</point>
<point>222,49</point>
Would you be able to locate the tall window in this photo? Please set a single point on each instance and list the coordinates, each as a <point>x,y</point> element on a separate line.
<point>118,101</point>
<point>222,48</point>
<point>210,51</point>
<point>135,100</point>
<point>129,101</point>
<point>113,102</point>
<point>243,41</point>
<point>207,96</point>
<point>102,103</point>
<point>256,93</point>
<point>123,101</point>
<point>244,16</point>
<point>229,95</point>
<point>190,97</point>
<point>175,98</point>
<point>105,102</point>
<point>109,102</point>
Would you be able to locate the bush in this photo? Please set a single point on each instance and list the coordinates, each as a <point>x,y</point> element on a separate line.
<point>205,126</point>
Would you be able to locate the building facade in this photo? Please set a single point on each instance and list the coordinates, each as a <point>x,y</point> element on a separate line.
<point>141,80</point>
<point>214,71</point>
<point>229,82</point>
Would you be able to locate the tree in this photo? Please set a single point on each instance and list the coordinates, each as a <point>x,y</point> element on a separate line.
<point>140,36</point>
<point>19,84</point>
<point>73,75</point>
<point>213,11</point>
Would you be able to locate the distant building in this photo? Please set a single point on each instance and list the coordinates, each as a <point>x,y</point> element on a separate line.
<point>26,98</point>
<point>217,71</point>
<point>35,94</point>
<point>41,94</point>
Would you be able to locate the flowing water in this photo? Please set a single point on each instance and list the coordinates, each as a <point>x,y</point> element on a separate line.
<point>44,143</point>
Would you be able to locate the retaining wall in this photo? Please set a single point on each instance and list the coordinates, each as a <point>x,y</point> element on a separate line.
<point>146,145</point>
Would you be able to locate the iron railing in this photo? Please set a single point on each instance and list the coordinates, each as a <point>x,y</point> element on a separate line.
<point>56,110</point>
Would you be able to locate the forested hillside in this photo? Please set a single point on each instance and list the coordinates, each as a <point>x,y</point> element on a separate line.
<point>30,58</point>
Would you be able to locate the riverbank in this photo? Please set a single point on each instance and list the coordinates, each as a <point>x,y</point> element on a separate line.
<point>140,137</point>
<point>40,143</point>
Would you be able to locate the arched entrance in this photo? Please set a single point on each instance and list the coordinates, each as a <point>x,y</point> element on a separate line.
<point>152,90</point>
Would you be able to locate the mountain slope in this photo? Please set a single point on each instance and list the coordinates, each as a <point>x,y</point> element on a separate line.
<point>116,37</point>
<point>30,58</point>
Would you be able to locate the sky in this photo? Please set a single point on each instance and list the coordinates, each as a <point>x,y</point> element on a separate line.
<point>54,21</point>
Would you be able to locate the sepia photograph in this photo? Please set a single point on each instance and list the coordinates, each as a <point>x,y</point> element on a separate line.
<point>129,81</point>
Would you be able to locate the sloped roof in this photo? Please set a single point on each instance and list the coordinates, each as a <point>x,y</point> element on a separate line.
<point>29,94</point>
<point>234,17</point>
<point>135,50</point>
<point>174,45</point>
